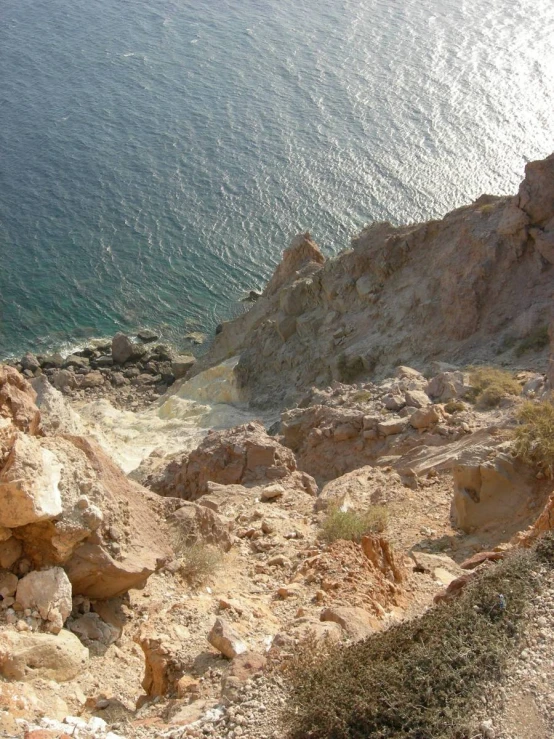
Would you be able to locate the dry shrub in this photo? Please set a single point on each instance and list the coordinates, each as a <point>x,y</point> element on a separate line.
<point>352,525</point>
<point>491,385</point>
<point>454,406</point>
<point>534,437</point>
<point>199,562</point>
<point>420,679</point>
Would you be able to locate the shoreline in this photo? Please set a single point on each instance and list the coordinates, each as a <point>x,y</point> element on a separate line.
<point>130,372</point>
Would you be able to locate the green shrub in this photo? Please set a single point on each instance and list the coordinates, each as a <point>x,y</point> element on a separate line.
<point>534,437</point>
<point>491,385</point>
<point>535,341</point>
<point>351,525</point>
<point>420,679</point>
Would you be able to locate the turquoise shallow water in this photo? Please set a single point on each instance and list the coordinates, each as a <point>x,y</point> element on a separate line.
<point>156,157</point>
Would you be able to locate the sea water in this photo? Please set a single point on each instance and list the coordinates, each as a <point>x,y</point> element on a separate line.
<point>156,156</point>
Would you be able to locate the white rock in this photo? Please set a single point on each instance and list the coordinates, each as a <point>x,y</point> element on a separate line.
<point>49,592</point>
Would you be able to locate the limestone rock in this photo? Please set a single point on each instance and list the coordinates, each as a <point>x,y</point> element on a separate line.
<point>48,592</point>
<point>379,552</point>
<point>181,365</point>
<point>223,637</point>
<point>424,417</point>
<point>90,627</point>
<point>123,349</point>
<point>356,622</point>
<point>393,426</point>
<point>29,484</point>
<point>25,656</point>
<point>198,524</point>
<point>17,401</point>
<point>489,489</point>
<point>57,417</point>
<point>417,399</point>
<point>92,379</point>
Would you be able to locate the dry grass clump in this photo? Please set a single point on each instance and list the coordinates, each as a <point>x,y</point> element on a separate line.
<point>491,385</point>
<point>352,525</point>
<point>454,406</point>
<point>419,679</point>
<point>199,562</point>
<point>535,341</point>
<point>534,437</point>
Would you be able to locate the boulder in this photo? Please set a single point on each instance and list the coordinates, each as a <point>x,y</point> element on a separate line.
<point>30,362</point>
<point>124,350</point>
<point>489,490</point>
<point>17,401</point>
<point>29,483</point>
<point>223,637</point>
<point>64,380</point>
<point>26,656</point>
<point>146,335</point>
<point>181,365</point>
<point>91,628</point>
<point>57,417</point>
<point>244,455</point>
<point>392,426</point>
<point>416,399</point>
<point>92,379</point>
<point>198,524</point>
<point>356,622</point>
<point>423,418</point>
<point>48,592</point>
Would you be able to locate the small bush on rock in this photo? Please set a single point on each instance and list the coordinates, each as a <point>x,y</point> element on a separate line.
<point>351,525</point>
<point>534,437</point>
<point>420,679</point>
<point>491,385</point>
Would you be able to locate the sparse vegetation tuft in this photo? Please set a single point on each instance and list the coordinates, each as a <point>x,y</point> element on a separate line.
<point>534,437</point>
<point>454,406</point>
<point>535,341</point>
<point>491,385</point>
<point>420,679</point>
<point>199,562</point>
<point>352,525</point>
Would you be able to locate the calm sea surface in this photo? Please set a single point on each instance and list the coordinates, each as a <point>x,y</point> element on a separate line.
<point>156,156</point>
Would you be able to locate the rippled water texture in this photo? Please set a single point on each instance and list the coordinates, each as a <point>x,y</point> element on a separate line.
<point>155,157</point>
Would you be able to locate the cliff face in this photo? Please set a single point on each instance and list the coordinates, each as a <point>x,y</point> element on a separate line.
<point>476,285</point>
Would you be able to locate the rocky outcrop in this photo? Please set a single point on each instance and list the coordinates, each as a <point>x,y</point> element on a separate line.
<point>17,401</point>
<point>381,303</point>
<point>244,455</point>
<point>64,503</point>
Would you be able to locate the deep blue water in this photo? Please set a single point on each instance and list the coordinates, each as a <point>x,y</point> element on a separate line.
<point>156,156</point>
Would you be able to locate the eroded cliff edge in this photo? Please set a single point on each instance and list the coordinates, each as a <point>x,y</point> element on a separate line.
<point>471,287</point>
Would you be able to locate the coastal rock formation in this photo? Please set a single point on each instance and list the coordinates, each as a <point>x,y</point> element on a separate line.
<point>17,401</point>
<point>379,304</point>
<point>64,503</point>
<point>244,455</point>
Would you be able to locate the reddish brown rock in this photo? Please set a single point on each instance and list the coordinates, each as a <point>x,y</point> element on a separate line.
<point>477,559</point>
<point>244,455</point>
